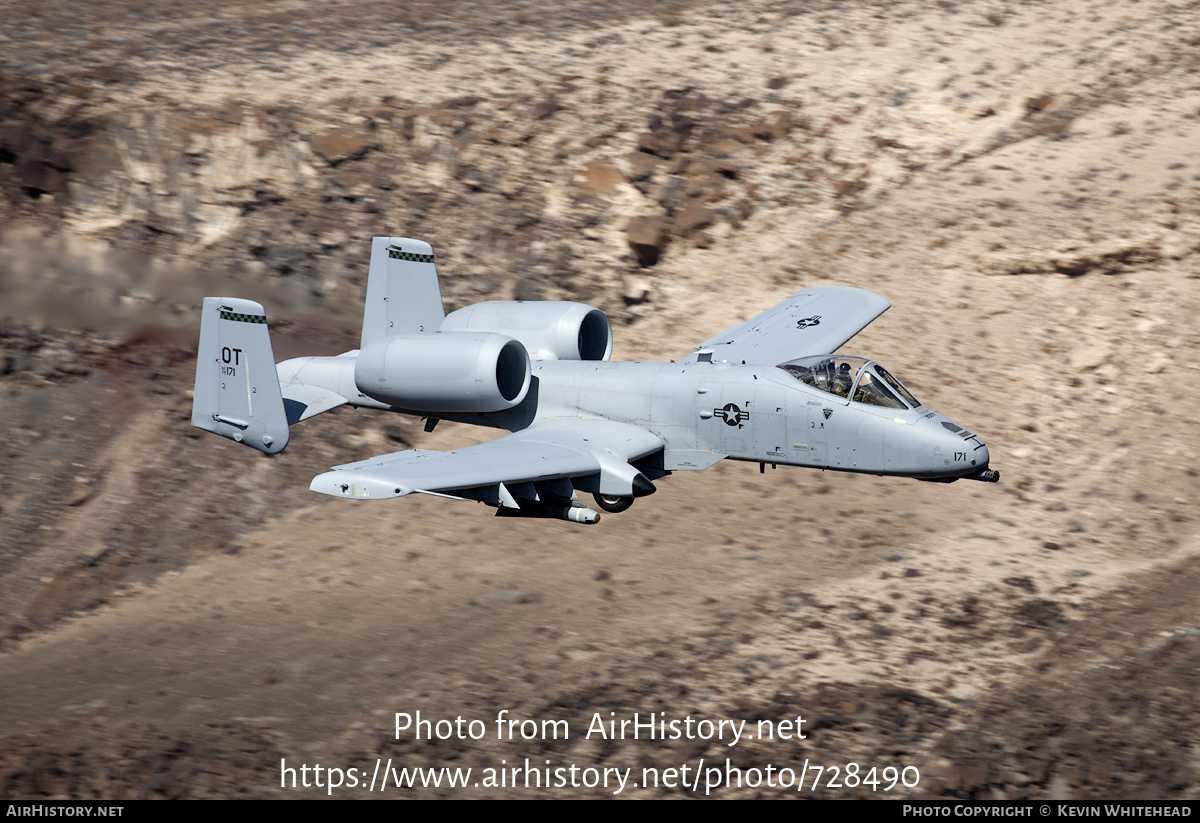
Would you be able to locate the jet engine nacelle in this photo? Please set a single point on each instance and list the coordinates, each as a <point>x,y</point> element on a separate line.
<point>445,372</point>
<point>549,330</point>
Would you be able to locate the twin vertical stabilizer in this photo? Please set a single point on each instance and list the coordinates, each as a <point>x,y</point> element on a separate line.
<point>403,296</point>
<point>237,388</point>
<point>238,393</point>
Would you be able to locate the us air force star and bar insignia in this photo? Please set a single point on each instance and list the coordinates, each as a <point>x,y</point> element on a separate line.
<point>815,320</point>
<point>243,318</point>
<point>732,415</point>
<point>397,254</point>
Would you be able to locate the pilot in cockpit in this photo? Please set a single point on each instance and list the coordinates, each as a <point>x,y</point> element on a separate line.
<point>842,381</point>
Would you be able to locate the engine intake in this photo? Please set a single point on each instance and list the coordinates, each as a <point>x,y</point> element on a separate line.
<point>445,372</point>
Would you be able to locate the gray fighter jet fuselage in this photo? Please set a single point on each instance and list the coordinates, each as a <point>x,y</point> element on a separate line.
<point>710,411</point>
<point>579,421</point>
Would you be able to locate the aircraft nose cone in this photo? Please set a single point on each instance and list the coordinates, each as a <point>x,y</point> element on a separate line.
<point>971,456</point>
<point>981,456</point>
<point>980,463</point>
<point>962,453</point>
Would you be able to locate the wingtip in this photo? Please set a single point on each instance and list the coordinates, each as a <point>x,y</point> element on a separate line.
<point>356,486</point>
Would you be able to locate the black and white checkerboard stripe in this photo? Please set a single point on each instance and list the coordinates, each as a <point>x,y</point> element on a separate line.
<point>243,318</point>
<point>396,254</point>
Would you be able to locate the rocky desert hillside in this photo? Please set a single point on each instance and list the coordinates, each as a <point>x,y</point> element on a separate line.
<point>1020,179</point>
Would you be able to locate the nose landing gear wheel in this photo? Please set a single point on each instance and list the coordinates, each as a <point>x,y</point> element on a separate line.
<point>612,503</point>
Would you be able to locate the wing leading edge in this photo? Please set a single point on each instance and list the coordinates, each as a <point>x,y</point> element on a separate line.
<point>549,459</point>
<point>814,321</point>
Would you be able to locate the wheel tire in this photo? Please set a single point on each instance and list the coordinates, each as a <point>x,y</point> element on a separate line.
<point>613,504</point>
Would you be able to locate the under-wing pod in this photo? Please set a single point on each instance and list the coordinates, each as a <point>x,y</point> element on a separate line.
<point>551,330</point>
<point>445,372</point>
<point>573,514</point>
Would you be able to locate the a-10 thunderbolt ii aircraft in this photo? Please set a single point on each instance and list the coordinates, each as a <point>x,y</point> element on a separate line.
<point>769,390</point>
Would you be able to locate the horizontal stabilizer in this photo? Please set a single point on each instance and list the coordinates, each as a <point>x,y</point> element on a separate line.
<point>301,402</point>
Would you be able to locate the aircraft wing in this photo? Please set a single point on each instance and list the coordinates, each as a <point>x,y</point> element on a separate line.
<point>529,464</point>
<point>814,321</point>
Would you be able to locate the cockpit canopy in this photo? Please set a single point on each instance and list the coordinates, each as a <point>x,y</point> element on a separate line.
<point>855,378</point>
